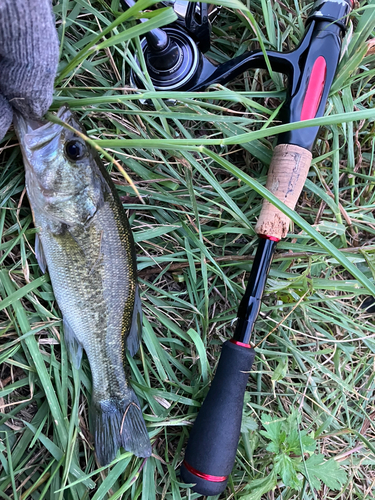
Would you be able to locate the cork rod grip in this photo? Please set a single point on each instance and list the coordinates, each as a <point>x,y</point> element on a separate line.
<point>286,177</point>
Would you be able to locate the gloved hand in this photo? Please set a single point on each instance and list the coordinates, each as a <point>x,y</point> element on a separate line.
<point>29,52</point>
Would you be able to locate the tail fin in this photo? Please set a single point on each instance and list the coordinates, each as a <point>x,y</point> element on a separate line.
<point>119,422</point>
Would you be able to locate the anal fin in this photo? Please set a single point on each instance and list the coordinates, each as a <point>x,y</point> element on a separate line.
<point>73,346</point>
<point>135,333</point>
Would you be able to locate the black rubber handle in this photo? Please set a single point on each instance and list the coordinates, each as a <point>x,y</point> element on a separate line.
<point>212,446</point>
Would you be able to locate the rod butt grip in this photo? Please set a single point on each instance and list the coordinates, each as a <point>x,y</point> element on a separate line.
<point>213,441</point>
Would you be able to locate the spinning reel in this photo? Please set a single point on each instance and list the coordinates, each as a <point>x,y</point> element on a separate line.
<point>175,60</point>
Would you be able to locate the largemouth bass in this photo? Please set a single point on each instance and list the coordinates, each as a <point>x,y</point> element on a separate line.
<point>85,241</point>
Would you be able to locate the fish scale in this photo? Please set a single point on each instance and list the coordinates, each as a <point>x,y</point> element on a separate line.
<point>86,243</point>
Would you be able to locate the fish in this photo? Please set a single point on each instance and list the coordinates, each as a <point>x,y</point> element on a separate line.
<point>85,241</point>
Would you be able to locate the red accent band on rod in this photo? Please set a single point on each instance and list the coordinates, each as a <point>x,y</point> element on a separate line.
<point>207,477</point>
<point>242,344</point>
<point>315,89</point>
<point>271,238</point>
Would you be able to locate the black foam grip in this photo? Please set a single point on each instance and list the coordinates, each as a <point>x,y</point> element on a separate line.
<point>213,441</point>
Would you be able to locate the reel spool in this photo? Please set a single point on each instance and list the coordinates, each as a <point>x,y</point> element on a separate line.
<point>174,55</point>
<point>178,66</point>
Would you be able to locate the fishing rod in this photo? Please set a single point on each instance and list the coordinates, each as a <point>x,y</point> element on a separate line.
<point>310,68</point>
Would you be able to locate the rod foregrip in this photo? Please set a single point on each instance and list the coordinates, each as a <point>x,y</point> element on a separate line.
<point>213,441</point>
<point>286,177</point>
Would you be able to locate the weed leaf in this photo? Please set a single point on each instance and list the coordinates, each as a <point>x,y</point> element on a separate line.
<point>287,468</point>
<point>296,440</point>
<point>316,469</point>
<point>273,432</point>
<point>261,486</point>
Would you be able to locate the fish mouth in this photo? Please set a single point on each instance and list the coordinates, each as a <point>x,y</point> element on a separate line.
<point>33,134</point>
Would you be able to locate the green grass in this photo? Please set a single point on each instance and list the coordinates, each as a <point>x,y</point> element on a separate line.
<point>200,167</point>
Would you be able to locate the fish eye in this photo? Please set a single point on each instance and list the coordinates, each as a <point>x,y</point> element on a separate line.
<point>75,150</point>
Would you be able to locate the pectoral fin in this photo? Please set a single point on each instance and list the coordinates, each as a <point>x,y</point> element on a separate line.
<point>134,337</point>
<point>39,254</point>
<point>73,346</point>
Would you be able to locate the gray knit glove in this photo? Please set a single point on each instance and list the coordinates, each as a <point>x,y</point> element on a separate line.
<point>29,52</point>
